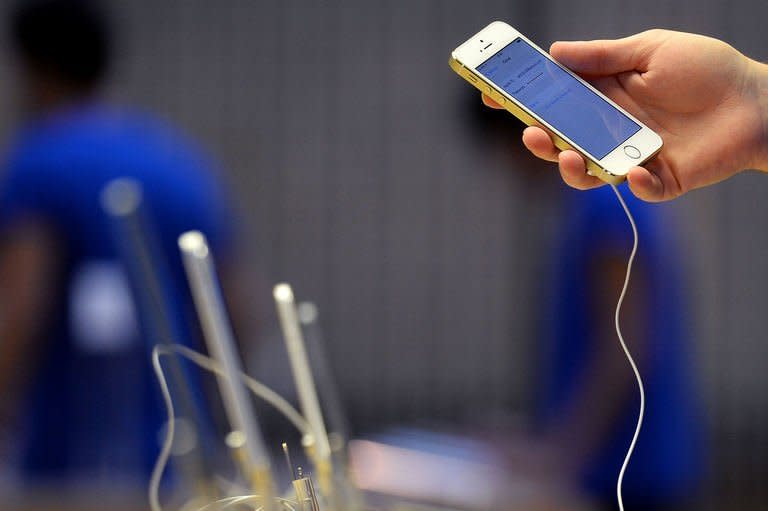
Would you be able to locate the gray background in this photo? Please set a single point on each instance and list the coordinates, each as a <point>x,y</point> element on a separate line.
<point>365,178</point>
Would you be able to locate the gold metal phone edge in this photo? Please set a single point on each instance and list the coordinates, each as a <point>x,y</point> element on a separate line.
<point>481,85</point>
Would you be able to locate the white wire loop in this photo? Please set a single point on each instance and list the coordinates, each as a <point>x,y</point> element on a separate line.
<point>301,424</point>
<point>258,389</point>
<point>225,503</point>
<point>641,413</point>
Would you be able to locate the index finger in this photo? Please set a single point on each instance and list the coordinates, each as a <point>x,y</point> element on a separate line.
<point>573,170</point>
<point>491,103</point>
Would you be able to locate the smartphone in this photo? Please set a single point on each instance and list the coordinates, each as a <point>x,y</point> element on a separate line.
<point>529,83</point>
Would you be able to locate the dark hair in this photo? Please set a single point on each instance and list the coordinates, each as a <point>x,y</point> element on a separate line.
<point>66,39</point>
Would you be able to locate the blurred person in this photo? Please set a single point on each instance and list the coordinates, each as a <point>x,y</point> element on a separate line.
<point>587,400</point>
<point>708,101</point>
<point>78,399</point>
<point>584,398</point>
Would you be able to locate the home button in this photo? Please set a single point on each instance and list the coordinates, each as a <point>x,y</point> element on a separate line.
<point>632,151</point>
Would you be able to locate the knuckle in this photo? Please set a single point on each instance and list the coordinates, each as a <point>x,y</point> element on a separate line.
<point>653,33</point>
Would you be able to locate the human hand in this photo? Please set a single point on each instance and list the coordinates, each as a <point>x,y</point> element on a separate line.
<point>707,101</point>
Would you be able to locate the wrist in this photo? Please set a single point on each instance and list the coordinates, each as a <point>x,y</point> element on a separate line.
<point>758,95</point>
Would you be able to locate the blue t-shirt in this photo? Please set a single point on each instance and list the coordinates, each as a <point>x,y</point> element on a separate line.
<point>668,457</point>
<point>94,409</point>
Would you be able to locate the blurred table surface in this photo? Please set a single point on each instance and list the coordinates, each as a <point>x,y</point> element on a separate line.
<point>440,471</point>
<point>47,499</point>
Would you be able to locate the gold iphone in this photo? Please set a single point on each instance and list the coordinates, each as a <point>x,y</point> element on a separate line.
<point>524,79</point>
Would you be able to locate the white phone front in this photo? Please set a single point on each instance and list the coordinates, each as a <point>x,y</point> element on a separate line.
<point>523,78</point>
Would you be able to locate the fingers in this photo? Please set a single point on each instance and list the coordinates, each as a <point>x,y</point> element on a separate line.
<point>574,171</point>
<point>604,57</point>
<point>538,142</point>
<point>572,166</point>
<point>646,185</point>
<point>491,103</point>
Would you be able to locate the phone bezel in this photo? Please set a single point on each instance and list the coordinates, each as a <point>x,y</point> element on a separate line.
<point>498,35</point>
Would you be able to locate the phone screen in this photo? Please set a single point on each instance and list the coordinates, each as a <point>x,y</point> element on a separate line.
<point>558,98</point>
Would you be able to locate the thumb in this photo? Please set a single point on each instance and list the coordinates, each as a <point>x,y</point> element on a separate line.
<point>603,57</point>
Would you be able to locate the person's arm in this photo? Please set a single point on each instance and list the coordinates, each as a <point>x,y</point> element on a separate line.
<point>706,100</point>
<point>761,93</point>
<point>27,269</point>
<point>560,450</point>
<point>243,314</point>
<point>607,384</point>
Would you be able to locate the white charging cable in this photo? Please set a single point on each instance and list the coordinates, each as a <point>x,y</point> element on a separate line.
<point>211,365</point>
<point>301,424</point>
<point>626,350</point>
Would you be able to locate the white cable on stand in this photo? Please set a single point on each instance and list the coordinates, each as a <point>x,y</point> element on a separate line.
<point>218,335</point>
<point>626,350</point>
<point>250,449</point>
<point>303,425</point>
<point>208,364</point>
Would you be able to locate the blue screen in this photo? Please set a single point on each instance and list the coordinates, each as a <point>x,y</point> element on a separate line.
<point>558,98</point>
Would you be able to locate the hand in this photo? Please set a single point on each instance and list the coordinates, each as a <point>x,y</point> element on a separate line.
<point>707,101</point>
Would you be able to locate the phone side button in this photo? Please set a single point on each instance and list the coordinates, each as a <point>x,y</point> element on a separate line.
<point>632,151</point>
